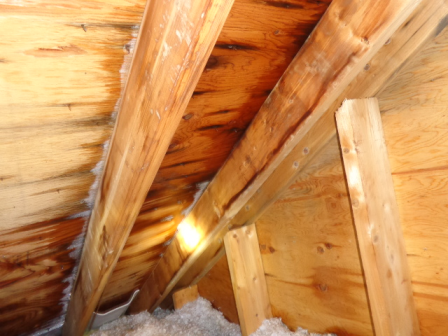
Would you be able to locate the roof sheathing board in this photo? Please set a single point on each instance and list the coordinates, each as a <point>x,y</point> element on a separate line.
<point>63,68</point>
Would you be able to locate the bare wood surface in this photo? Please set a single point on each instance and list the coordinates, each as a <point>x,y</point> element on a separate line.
<point>59,95</point>
<point>256,45</point>
<point>172,50</point>
<point>248,280</point>
<point>184,296</point>
<point>307,238</point>
<point>376,217</point>
<point>426,22</point>
<point>61,76</point>
<point>216,286</point>
<point>312,222</point>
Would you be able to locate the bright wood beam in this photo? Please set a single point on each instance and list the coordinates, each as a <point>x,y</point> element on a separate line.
<point>248,279</point>
<point>344,41</point>
<point>175,41</point>
<point>427,21</point>
<point>376,217</point>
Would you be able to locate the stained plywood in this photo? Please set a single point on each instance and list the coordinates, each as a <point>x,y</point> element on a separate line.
<point>61,78</point>
<point>256,45</point>
<point>307,237</point>
<point>58,97</point>
<point>34,262</point>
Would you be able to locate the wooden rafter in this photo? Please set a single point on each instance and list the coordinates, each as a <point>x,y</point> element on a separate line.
<point>318,75</point>
<point>175,42</point>
<point>377,221</point>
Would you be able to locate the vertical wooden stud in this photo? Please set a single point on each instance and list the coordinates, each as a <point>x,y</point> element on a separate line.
<point>376,218</point>
<point>184,296</point>
<point>248,279</point>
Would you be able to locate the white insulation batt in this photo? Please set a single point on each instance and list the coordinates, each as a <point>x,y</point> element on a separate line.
<point>196,318</point>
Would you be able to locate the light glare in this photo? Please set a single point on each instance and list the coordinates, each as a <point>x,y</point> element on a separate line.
<point>189,235</point>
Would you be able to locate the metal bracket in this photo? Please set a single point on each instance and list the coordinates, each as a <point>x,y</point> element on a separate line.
<point>98,319</point>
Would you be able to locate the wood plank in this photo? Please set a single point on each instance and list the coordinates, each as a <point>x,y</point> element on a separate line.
<point>256,45</point>
<point>412,35</point>
<point>184,296</point>
<point>248,280</point>
<point>414,107</point>
<point>171,52</point>
<point>376,217</point>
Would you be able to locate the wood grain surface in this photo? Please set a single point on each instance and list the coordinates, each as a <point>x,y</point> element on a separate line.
<point>376,218</point>
<point>255,47</point>
<point>184,296</point>
<point>173,46</point>
<point>62,73</point>
<point>286,116</point>
<point>427,21</point>
<point>248,279</point>
<point>307,237</point>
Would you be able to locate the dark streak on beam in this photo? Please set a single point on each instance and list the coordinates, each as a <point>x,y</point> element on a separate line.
<point>235,46</point>
<point>283,4</point>
<point>206,128</point>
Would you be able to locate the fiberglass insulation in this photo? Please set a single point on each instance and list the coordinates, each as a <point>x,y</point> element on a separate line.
<point>197,318</point>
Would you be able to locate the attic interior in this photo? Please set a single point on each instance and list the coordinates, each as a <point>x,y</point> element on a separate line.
<point>279,158</point>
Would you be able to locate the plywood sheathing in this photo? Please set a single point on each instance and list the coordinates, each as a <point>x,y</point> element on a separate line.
<point>62,75</point>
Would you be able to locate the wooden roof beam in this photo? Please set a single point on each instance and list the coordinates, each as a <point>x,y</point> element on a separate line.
<point>175,41</point>
<point>345,40</point>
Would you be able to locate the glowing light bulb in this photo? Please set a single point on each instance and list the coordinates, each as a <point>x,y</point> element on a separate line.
<point>189,234</point>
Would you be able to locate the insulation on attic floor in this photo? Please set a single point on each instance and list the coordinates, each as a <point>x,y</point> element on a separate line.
<point>196,318</point>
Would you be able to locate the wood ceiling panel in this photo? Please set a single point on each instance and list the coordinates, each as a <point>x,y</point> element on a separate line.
<point>62,73</point>
<point>256,45</point>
